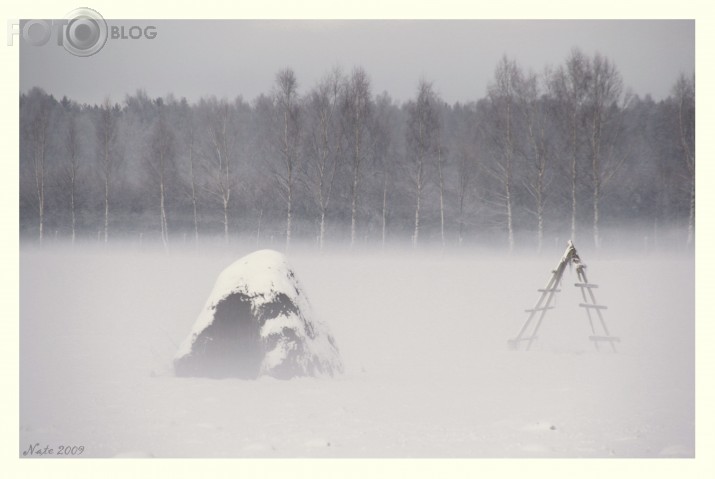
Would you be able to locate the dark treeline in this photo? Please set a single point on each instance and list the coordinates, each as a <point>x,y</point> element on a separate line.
<point>567,153</point>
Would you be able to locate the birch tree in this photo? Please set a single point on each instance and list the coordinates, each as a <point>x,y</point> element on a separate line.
<point>161,160</point>
<point>603,113</point>
<point>466,171</point>
<point>532,108</point>
<point>684,96</point>
<point>502,97</point>
<point>324,144</point>
<point>441,169</point>
<point>422,136</point>
<point>219,154</point>
<point>189,135</point>
<point>39,105</point>
<point>569,87</point>
<point>108,153</point>
<point>288,108</point>
<point>72,166</point>
<point>383,131</point>
<point>356,116</point>
<point>465,147</point>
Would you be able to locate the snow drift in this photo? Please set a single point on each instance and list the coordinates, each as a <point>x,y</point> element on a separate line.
<point>258,321</point>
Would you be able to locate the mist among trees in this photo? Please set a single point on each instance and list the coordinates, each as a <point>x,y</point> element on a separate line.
<point>563,153</point>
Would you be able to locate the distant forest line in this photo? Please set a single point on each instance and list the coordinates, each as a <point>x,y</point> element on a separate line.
<point>568,152</point>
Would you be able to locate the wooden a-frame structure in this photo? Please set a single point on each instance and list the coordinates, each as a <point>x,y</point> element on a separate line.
<point>593,309</point>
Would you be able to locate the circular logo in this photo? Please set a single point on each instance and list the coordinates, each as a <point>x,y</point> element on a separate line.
<point>86,32</point>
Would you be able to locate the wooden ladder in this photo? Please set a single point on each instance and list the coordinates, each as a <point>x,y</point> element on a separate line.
<point>593,309</point>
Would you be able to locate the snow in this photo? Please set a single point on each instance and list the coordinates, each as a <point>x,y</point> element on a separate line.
<point>422,337</point>
<point>259,275</point>
<point>262,277</point>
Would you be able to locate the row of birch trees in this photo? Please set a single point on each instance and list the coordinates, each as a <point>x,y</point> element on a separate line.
<point>560,153</point>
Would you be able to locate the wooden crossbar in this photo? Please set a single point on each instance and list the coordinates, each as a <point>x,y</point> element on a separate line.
<point>530,338</point>
<point>594,306</point>
<point>533,310</point>
<point>593,310</point>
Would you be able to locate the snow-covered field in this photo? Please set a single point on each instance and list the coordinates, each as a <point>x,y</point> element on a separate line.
<point>423,337</point>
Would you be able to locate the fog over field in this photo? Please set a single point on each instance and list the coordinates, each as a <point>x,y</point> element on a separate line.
<point>418,183</point>
<point>422,335</point>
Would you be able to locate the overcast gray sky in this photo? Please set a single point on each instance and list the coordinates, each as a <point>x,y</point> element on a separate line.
<point>227,58</point>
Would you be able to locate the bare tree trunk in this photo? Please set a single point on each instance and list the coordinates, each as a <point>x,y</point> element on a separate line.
<point>573,180</point>
<point>193,189</point>
<point>354,190</point>
<point>321,228</point>
<point>691,216</point>
<point>357,112</point>
<point>384,210</point>
<point>423,127</point>
<point>529,95</point>
<point>503,95</point>
<point>321,207</point>
<point>72,169</point>
<point>508,179</point>
<point>258,229</point>
<point>596,201</point>
<point>416,234</point>
<point>289,186</point>
<point>289,217</point>
<point>164,223</point>
<point>604,90</point>
<point>41,201</point>
<point>39,135</point>
<point>509,214</point>
<point>540,230</point>
<point>222,140</point>
<point>106,207</point>
<point>684,92</point>
<point>225,220</point>
<point>570,87</point>
<point>540,188</point>
<point>321,235</point>
<point>286,97</point>
<point>324,138</point>
<point>596,173</point>
<point>290,160</point>
<point>194,207</point>
<point>107,132</point>
<point>161,159</point>
<point>460,234</point>
<point>106,192</point>
<point>440,168</point>
<point>40,179</point>
<point>596,125</point>
<point>463,185</point>
<point>595,162</point>
<point>226,198</point>
<point>72,210</point>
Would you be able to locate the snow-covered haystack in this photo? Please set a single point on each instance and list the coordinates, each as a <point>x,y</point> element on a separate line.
<point>258,321</point>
